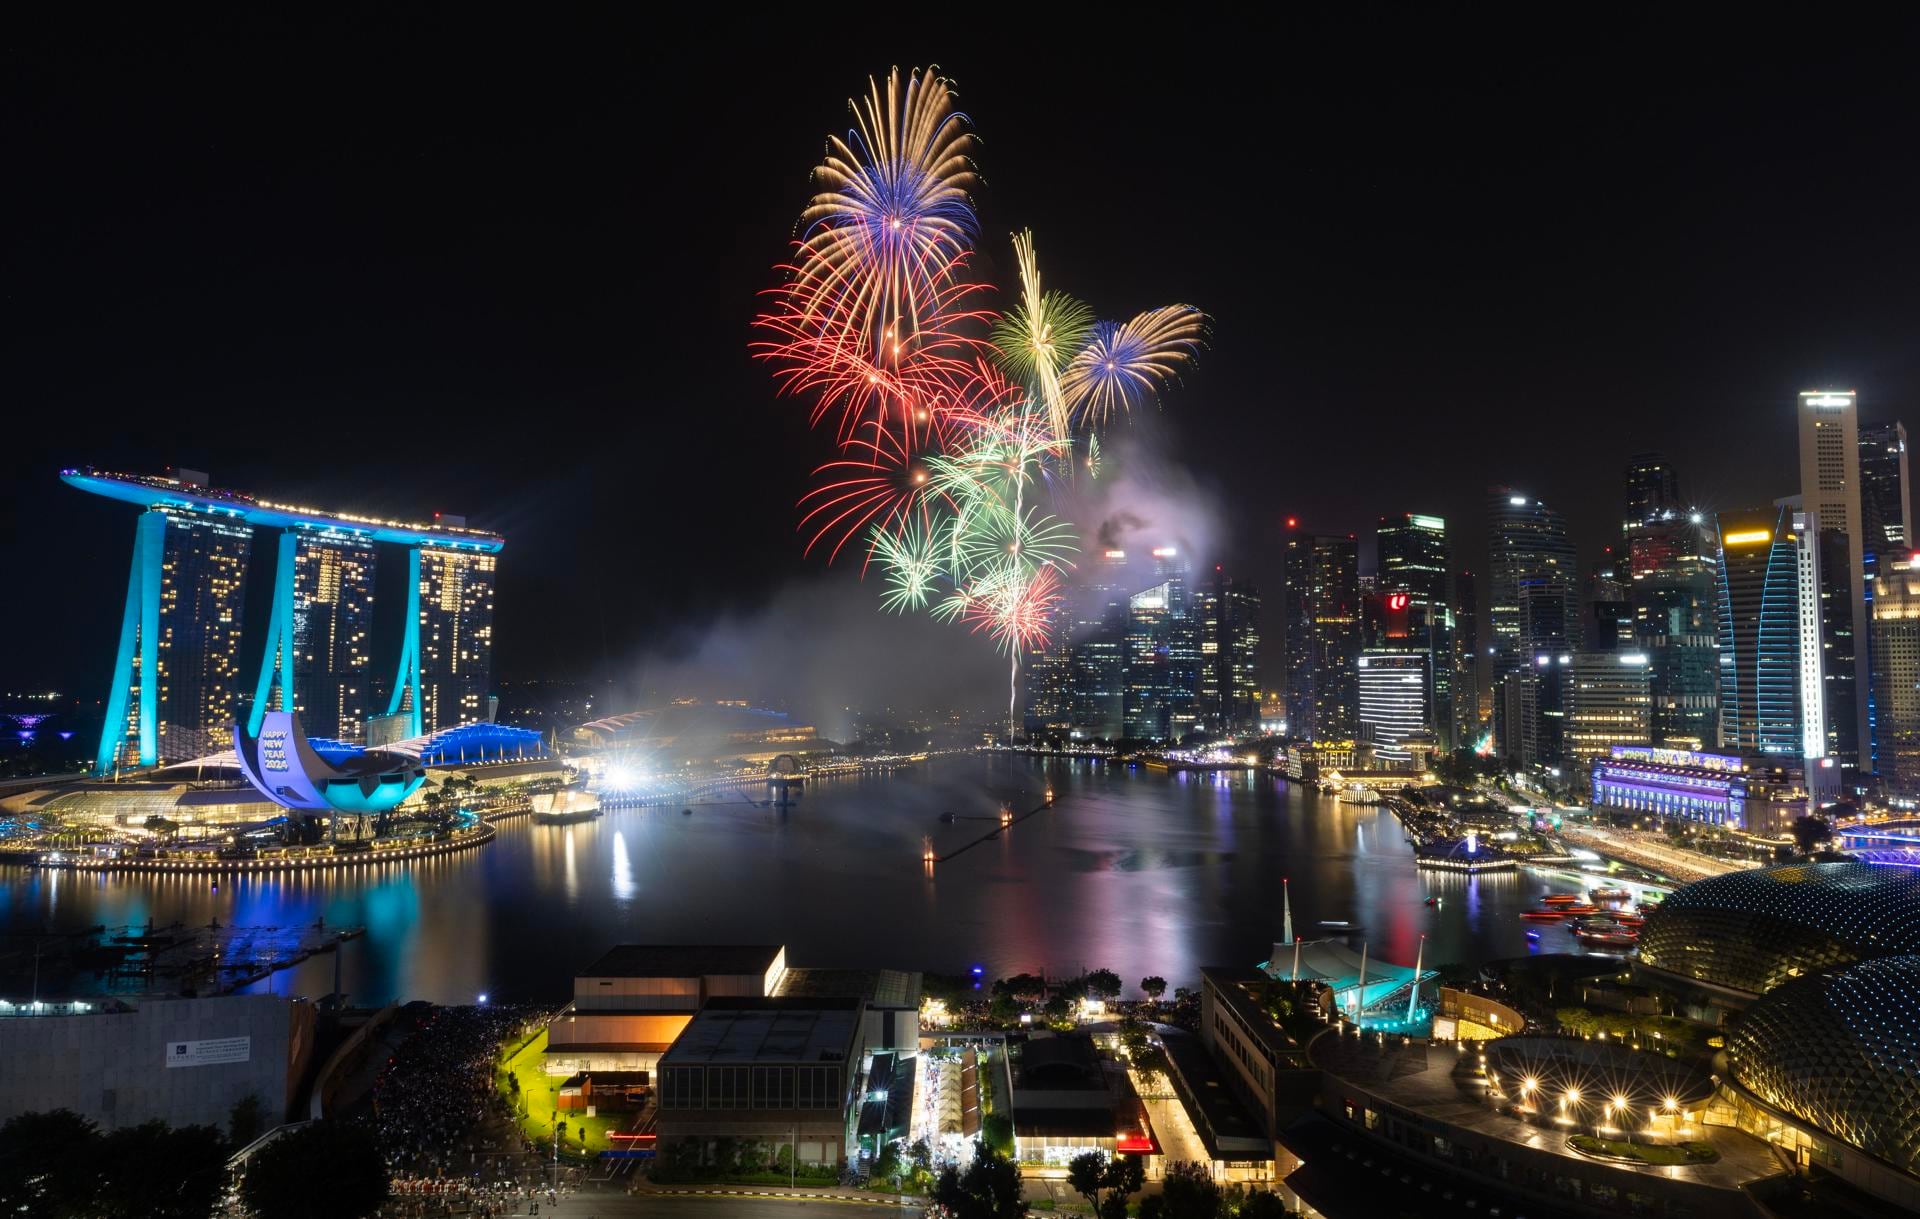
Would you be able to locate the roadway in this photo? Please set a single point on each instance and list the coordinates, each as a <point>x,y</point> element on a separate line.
<point>591,1204</point>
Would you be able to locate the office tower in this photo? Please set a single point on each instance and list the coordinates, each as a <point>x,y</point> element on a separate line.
<point>1830,489</point>
<point>1321,635</point>
<point>456,635</point>
<point>1467,684</point>
<point>1049,677</point>
<point>1394,688</point>
<point>333,632</point>
<point>1526,541</point>
<point>1228,614</point>
<point>1677,625</point>
<point>1653,489</point>
<point>1885,500</point>
<point>1181,683</point>
<point>1828,652</point>
<point>1149,621</point>
<point>1759,593</point>
<point>1609,702</point>
<point>1413,562</point>
<point>1532,611</point>
<point>1896,676</point>
<point>1099,665</point>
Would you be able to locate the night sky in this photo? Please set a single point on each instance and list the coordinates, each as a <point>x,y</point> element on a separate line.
<point>408,264</point>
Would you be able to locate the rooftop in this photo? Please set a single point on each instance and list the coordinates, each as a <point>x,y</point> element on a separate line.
<point>683,960</point>
<point>159,491</point>
<point>879,987</point>
<point>768,1031</point>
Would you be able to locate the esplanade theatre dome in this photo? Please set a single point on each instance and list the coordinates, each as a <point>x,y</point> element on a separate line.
<point>1838,1052</point>
<point>1752,931</point>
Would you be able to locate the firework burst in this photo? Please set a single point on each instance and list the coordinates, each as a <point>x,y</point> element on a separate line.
<point>1128,363</point>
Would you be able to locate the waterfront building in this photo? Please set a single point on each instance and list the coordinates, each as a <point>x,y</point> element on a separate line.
<point>456,635</point>
<point>1412,550</point>
<point>178,672</point>
<point>1321,635</point>
<point>1148,679</point>
<point>1830,489</point>
<point>333,586</point>
<point>1609,703</point>
<point>1228,615</point>
<point>1098,654</point>
<point>1758,587</point>
<point>1395,700</point>
<point>1896,676</point>
<point>1724,790</point>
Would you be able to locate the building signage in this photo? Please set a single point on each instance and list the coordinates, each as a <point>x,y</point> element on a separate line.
<point>273,751</point>
<point>1677,757</point>
<point>209,1053</point>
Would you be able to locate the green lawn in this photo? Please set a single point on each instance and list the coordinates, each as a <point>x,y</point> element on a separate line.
<point>1648,1153</point>
<point>533,1104</point>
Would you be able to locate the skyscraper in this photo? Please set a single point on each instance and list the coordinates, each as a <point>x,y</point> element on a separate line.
<point>1180,691</point>
<point>1149,626</point>
<point>1896,675</point>
<point>1393,691</point>
<point>1830,488</point>
<point>1228,614</point>
<point>1467,683</point>
<point>1609,702</point>
<point>1526,540</point>
<point>1321,634</point>
<point>1676,623</point>
<point>1759,594</point>
<point>456,635</point>
<point>1413,562</point>
<point>191,668</point>
<point>1099,675</point>
<point>333,632</point>
<point>1653,489</point>
<point>1532,612</point>
<point>1885,498</point>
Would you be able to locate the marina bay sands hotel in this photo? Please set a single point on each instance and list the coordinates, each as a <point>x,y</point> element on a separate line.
<point>180,677</point>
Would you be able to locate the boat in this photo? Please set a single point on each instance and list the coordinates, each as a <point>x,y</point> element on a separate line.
<point>1607,939</point>
<point>1560,899</point>
<point>1630,920</point>
<point>1612,895</point>
<point>1340,923</point>
<point>1541,915</point>
<point>1577,909</point>
<point>1533,935</point>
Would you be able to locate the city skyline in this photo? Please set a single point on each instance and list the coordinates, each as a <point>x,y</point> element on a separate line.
<point>461,340</point>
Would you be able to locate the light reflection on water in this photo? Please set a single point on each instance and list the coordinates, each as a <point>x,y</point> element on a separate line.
<point>1136,871</point>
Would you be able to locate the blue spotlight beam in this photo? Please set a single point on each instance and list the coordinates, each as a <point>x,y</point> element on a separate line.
<point>277,658</point>
<point>409,674</point>
<point>139,622</point>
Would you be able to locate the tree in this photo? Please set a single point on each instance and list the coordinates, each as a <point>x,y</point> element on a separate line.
<point>1103,984</point>
<point>280,1181</point>
<point>996,1131</point>
<point>988,1189</point>
<point>152,1172</point>
<point>1263,1204</point>
<point>47,1165</point>
<point>1087,1173</point>
<point>1021,986</point>
<point>1189,1192</point>
<point>1057,1010</point>
<point>1153,986</point>
<point>1811,831</point>
<point>245,1121</point>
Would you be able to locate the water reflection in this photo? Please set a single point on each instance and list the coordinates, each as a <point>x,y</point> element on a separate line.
<point>1130,870</point>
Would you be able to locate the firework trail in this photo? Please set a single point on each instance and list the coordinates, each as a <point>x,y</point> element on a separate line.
<point>954,424</point>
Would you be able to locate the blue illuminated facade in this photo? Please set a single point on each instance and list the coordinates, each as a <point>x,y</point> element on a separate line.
<point>1759,593</point>
<point>177,663</point>
<point>1716,789</point>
